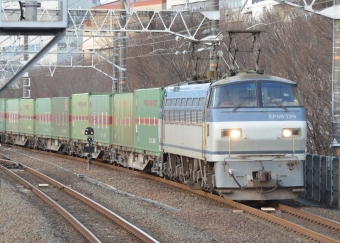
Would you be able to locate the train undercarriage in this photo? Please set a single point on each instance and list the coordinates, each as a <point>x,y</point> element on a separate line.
<point>196,174</point>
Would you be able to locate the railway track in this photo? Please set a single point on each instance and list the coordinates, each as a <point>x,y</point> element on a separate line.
<point>313,222</point>
<point>310,226</point>
<point>93,221</point>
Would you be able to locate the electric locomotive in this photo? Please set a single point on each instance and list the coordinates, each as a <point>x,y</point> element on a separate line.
<point>243,137</point>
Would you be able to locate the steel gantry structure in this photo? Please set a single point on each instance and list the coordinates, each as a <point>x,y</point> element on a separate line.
<point>83,26</point>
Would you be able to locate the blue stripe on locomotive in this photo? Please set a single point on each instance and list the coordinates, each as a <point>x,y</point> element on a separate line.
<point>256,114</point>
<point>233,152</point>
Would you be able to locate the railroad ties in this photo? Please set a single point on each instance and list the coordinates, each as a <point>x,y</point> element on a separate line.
<point>95,222</point>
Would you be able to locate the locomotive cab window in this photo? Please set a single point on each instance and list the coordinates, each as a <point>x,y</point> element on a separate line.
<point>279,94</point>
<point>234,95</point>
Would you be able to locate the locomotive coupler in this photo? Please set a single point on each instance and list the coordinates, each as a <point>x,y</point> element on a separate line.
<point>263,175</point>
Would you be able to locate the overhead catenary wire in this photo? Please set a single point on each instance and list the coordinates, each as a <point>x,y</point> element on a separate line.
<point>146,41</point>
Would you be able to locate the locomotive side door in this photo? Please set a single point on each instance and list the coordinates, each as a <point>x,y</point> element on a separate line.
<point>205,127</point>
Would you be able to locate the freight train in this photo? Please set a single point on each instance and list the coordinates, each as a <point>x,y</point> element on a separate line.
<point>243,137</point>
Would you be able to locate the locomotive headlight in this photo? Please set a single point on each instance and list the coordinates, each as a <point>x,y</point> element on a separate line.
<point>286,133</point>
<point>233,133</point>
<point>291,132</point>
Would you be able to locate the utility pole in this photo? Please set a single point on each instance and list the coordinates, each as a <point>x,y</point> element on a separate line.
<point>115,79</point>
<point>122,61</point>
<point>336,83</point>
<point>214,27</point>
<point>31,10</point>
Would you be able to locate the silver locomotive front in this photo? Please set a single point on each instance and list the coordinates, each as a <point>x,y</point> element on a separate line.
<point>256,137</point>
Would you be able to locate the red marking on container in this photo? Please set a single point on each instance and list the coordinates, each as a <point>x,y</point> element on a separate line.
<point>150,102</point>
<point>146,121</point>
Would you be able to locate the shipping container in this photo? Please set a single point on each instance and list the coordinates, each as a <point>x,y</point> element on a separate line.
<point>146,110</point>
<point>61,118</point>
<point>43,124</point>
<point>80,116</point>
<point>12,118</point>
<point>27,117</point>
<point>2,115</point>
<point>123,121</point>
<point>101,118</point>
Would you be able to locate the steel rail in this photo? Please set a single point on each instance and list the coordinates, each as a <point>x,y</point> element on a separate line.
<point>73,221</point>
<point>99,208</point>
<point>314,218</point>
<point>256,212</point>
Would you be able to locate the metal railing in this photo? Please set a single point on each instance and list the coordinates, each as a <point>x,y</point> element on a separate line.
<point>322,179</point>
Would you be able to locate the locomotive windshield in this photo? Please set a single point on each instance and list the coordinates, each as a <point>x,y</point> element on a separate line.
<point>278,94</point>
<point>246,94</point>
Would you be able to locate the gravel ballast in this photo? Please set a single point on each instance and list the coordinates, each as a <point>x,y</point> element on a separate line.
<point>168,214</point>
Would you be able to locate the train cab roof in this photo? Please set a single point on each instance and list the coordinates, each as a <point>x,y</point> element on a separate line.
<point>240,77</point>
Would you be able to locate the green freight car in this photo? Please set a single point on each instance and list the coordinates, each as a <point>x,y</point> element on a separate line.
<point>80,121</point>
<point>52,123</point>
<point>61,123</point>
<point>80,116</point>
<point>123,141</point>
<point>123,121</point>
<point>26,122</point>
<point>43,124</point>
<point>100,119</point>
<point>146,133</point>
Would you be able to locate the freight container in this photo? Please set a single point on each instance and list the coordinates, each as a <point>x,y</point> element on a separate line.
<point>43,118</point>
<point>80,121</point>
<point>60,124</point>
<point>61,118</point>
<point>80,116</point>
<point>123,121</point>
<point>12,119</point>
<point>50,116</point>
<point>147,103</point>
<point>101,118</point>
<point>27,117</point>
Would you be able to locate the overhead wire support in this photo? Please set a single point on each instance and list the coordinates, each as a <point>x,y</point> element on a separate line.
<point>11,24</point>
<point>86,22</point>
<point>136,20</point>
